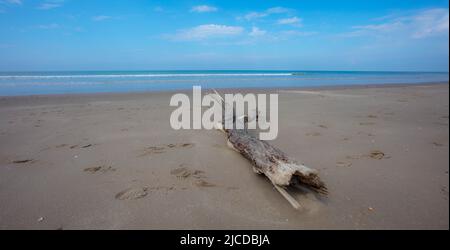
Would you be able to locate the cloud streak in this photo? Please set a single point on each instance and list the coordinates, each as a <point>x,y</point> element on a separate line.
<point>423,24</point>
<point>207,31</point>
<point>431,22</point>
<point>275,10</point>
<point>50,4</point>
<point>293,21</point>
<point>203,9</point>
<point>257,32</point>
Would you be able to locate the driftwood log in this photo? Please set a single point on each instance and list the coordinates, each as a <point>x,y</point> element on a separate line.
<point>280,169</point>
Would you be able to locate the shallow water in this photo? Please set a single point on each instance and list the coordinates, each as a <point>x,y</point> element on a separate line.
<point>30,83</point>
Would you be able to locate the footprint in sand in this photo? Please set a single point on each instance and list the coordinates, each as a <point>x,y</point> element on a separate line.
<point>366,123</point>
<point>372,116</point>
<point>180,145</point>
<point>198,175</point>
<point>365,133</point>
<point>313,134</point>
<point>437,144</point>
<point>377,155</point>
<point>322,126</point>
<point>163,188</point>
<point>444,190</point>
<point>374,154</point>
<point>132,193</point>
<point>203,183</point>
<point>82,146</point>
<point>152,150</point>
<point>184,172</point>
<point>343,164</point>
<point>161,149</point>
<point>101,169</point>
<point>23,161</point>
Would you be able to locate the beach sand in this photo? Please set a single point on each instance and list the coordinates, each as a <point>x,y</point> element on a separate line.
<point>112,161</point>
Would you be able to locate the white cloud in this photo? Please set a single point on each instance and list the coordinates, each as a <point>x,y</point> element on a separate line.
<point>50,4</point>
<point>254,15</point>
<point>101,18</point>
<point>431,22</point>
<point>278,10</point>
<point>207,31</point>
<point>203,8</point>
<point>257,32</point>
<point>384,27</point>
<point>425,23</point>
<point>274,10</point>
<point>292,20</point>
<point>298,33</point>
<point>9,2</point>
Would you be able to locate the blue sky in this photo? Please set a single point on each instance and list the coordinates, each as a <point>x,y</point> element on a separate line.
<point>164,35</point>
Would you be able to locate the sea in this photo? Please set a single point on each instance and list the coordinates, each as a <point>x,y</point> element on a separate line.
<point>77,82</point>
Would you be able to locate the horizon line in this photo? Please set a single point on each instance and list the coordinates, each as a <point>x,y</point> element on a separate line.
<point>224,70</point>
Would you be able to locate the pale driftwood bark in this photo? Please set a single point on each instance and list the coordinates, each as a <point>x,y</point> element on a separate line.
<point>281,170</point>
<point>273,163</point>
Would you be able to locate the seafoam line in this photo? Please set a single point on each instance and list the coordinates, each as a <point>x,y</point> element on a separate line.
<point>134,76</point>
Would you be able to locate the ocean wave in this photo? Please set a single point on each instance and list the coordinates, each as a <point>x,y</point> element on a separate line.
<point>139,75</point>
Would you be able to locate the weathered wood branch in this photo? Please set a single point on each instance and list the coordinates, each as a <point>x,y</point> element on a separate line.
<point>273,163</point>
<point>280,169</point>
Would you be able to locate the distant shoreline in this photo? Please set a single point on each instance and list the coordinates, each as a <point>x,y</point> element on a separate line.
<point>80,82</point>
<point>3,72</point>
<point>234,90</point>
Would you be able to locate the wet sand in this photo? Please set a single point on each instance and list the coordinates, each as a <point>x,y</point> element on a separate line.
<point>112,161</point>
